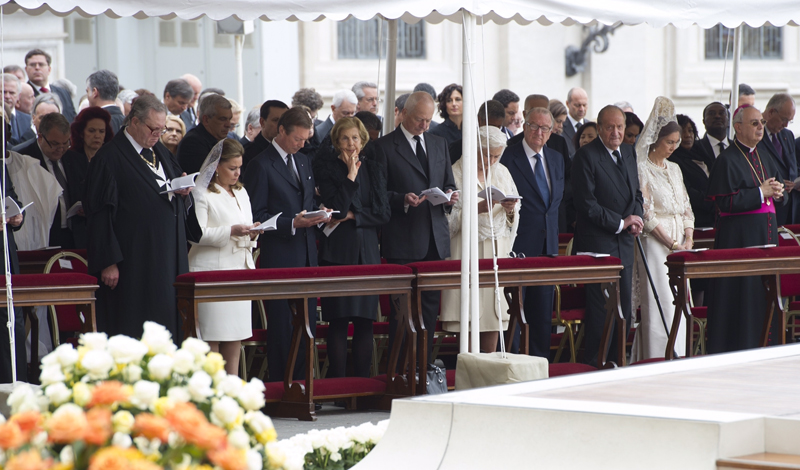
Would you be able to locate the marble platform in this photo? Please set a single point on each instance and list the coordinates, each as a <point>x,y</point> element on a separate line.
<point>712,412</point>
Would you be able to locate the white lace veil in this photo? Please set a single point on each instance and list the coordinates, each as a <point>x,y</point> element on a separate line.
<point>663,112</point>
<point>209,167</point>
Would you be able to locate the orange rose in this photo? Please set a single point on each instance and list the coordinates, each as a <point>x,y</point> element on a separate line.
<point>113,458</point>
<point>67,427</point>
<point>11,435</point>
<point>29,422</point>
<point>151,427</point>
<point>29,460</point>
<point>229,458</point>
<point>193,426</point>
<point>144,465</point>
<point>108,393</point>
<point>100,429</point>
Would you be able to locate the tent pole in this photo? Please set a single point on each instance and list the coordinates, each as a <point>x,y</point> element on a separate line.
<point>467,195</point>
<point>391,77</point>
<point>737,55</point>
<point>238,41</point>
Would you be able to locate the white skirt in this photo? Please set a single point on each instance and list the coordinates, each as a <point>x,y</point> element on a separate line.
<point>225,321</point>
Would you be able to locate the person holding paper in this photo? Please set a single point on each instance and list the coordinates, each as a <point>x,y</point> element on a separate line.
<point>280,181</point>
<point>223,212</point>
<point>356,187</point>
<point>417,231</point>
<point>538,172</point>
<point>497,225</point>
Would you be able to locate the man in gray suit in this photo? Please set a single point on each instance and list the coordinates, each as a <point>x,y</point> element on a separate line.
<point>102,88</point>
<point>344,104</point>
<point>417,230</point>
<point>577,104</point>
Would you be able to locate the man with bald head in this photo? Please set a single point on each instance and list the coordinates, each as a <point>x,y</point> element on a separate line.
<point>778,142</point>
<point>577,105</point>
<point>745,186</point>
<point>26,96</point>
<point>189,117</point>
<point>417,231</point>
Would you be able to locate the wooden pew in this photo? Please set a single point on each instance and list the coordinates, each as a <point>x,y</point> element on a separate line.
<point>296,398</point>
<point>769,263</point>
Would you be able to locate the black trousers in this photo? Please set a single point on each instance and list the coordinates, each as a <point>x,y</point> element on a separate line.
<point>279,339</point>
<point>596,317</point>
<point>538,305</point>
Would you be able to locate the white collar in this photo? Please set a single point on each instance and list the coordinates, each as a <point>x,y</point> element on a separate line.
<point>529,151</point>
<point>611,152</point>
<point>410,136</point>
<point>714,142</point>
<point>133,142</point>
<point>283,153</point>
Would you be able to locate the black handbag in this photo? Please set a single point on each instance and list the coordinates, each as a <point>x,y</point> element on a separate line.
<point>436,380</point>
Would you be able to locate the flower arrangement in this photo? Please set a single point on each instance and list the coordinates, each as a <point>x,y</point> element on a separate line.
<point>120,403</point>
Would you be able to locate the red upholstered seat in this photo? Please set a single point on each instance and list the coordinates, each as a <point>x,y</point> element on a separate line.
<point>569,368</point>
<point>274,391</point>
<point>565,237</point>
<point>380,328</point>
<point>573,314</point>
<point>555,340</point>
<point>648,361</point>
<point>293,273</point>
<point>43,256</point>
<point>45,280</point>
<point>332,388</point>
<point>258,336</point>
<point>515,263</point>
<point>700,312</point>
<point>737,253</point>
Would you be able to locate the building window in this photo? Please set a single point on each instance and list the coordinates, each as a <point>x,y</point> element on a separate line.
<point>359,39</point>
<point>189,34</point>
<point>82,31</point>
<point>167,34</point>
<point>222,40</point>
<point>765,42</point>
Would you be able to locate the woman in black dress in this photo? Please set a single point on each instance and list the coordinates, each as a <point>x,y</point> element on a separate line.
<point>353,182</point>
<point>451,108</point>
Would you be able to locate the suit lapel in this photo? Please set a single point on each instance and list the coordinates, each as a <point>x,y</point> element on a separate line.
<point>404,149</point>
<point>281,168</point>
<point>139,166</point>
<point>610,167</point>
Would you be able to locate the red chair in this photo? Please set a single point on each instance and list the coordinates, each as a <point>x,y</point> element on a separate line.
<point>790,285</point>
<point>570,312</point>
<point>568,368</point>
<point>66,318</point>
<point>258,342</point>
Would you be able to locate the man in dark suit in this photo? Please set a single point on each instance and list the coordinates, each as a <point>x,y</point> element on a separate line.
<point>37,67</point>
<point>49,148</point>
<point>510,102</point>
<point>715,120</point>
<point>538,173</point>
<point>577,105</point>
<point>779,143</point>
<point>252,127</point>
<point>189,117</point>
<point>20,122</point>
<point>270,114</point>
<point>43,105</point>
<point>215,121</point>
<point>416,161</point>
<point>102,88</point>
<point>344,104</point>
<point>608,204</point>
<point>178,94</point>
<point>280,180</point>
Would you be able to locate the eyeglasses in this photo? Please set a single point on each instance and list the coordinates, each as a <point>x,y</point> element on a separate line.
<point>537,128</point>
<point>157,132</point>
<point>57,144</point>
<point>512,254</point>
<point>756,122</point>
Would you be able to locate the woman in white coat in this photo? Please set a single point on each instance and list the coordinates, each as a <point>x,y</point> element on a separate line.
<point>223,212</point>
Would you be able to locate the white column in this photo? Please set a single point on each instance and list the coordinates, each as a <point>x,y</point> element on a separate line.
<point>391,77</point>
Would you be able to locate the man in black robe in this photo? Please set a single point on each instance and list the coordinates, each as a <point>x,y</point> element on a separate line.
<point>137,236</point>
<point>745,185</point>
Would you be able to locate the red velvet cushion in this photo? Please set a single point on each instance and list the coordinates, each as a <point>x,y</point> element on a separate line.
<point>43,280</point>
<point>274,391</point>
<point>648,361</point>
<point>537,262</point>
<point>705,234</point>
<point>293,273</point>
<point>737,253</point>
<point>43,256</point>
<point>565,237</point>
<point>258,335</point>
<point>573,297</point>
<point>380,328</point>
<point>795,228</point>
<point>700,312</point>
<point>790,285</point>
<point>451,378</point>
<point>68,318</point>
<point>569,368</point>
<point>573,314</point>
<point>555,340</point>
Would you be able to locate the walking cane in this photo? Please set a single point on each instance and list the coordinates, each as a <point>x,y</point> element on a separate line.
<point>653,288</point>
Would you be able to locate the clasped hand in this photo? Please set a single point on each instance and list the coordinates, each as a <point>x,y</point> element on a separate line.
<point>633,224</point>
<point>772,188</point>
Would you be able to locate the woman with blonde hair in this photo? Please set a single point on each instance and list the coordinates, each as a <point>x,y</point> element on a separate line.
<point>174,133</point>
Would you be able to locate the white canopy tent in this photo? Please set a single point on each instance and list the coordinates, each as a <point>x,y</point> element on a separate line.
<point>679,13</point>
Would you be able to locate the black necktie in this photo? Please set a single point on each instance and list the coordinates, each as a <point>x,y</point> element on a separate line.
<point>290,166</point>
<point>423,159</point>
<point>620,164</point>
<point>62,181</point>
<point>776,142</point>
<point>721,147</point>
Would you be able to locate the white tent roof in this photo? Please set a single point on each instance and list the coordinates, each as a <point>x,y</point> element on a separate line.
<point>657,13</point>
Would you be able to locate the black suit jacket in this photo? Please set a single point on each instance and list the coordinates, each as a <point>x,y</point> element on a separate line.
<point>194,148</point>
<point>407,234</point>
<point>696,182</point>
<point>117,118</point>
<point>253,149</point>
<point>273,189</point>
<point>568,133</point>
<point>188,118</point>
<point>604,197</point>
<point>787,165</point>
<point>538,224</point>
<point>703,148</point>
<point>20,128</point>
<point>321,131</point>
<point>63,95</point>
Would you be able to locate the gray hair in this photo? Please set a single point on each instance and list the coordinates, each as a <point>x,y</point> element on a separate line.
<point>309,98</point>
<point>491,137</point>
<point>778,100</point>
<point>738,115</point>
<point>400,102</point>
<point>541,112</point>
<point>253,118</point>
<point>127,96</point>
<point>54,121</point>
<point>106,82</point>
<point>11,78</point>
<point>67,85</point>
<point>179,88</point>
<point>341,95</point>
<point>210,103</point>
<point>142,106</point>
<point>623,104</point>
<point>47,98</point>
<point>358,88</point>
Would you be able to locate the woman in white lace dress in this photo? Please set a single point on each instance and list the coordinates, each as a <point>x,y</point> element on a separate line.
<point>502,228</point>
<point>668,226</point>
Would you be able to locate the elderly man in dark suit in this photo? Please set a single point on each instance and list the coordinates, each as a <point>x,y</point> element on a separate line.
<point>102,88</point>
<point>538,173</point>
<point>20,122</point>
<point>779,143</point>
<point>37,67</point>
<point>215,121</point>
<point>280,180</point>
<point>608,203</point>
<point>577,105</point>
<point>416,160</point>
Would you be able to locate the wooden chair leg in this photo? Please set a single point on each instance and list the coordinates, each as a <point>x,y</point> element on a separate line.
<point>242,364</point>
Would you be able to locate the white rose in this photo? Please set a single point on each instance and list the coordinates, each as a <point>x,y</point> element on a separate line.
<point>57,393</point>
<point>68,408</point>
<point>160,367</point>
<point>98,363</point>
<point>252,395</point>
<point>258,421</point>
<point>179,394</point>
<point>254,460</point>
<point>239,439</point>
<point>51,375</point>
<point>157,338</point>
<point>200,386</point>
<point>24,398</point>
<point>231,385</point>
<point>132,373</point>
<point>197,347</point>
<point>94,340</point>
<point>123,421</point>
<point>67,455</point>
<point>39,440</point>
<point>335,457</point>
<point>145,394</point>
<point>146,446</point>
<point>184,362</point>
<point>226,412</point>
<point>64,355</point>
<point>123,441</point>
<point>126,350</point>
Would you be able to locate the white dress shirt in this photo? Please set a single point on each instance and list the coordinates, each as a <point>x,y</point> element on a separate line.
<point>530,153</point>
<point>413,142</point>
<point>715,144</point>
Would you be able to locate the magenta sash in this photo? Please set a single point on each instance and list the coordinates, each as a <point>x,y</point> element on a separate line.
<point>765,209</point>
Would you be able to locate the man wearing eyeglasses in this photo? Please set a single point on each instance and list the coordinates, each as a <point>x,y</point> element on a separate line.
<point>538,173</point>
<point>778,142</point>
<point>215,122</point>
<point>37,67</point>
<point>49,148</point>
<point>137,231</point>
<point>746,187</point>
